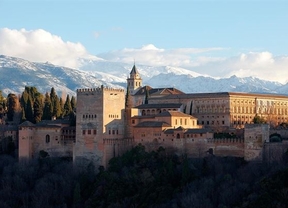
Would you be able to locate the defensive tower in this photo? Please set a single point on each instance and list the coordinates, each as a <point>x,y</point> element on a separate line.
<point>99,119</point>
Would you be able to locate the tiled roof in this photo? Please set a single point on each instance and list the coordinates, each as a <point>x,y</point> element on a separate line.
<point>153,124</point>
<point>142,90</point>
<point>198,131</point>
<point>158,91</point>
<point>220,94</point>
<point>69,128</point>
<point>27,123</point>
<point>42,125</point>
<point>55,122</point>
<point>159,105</point>
<point>187,131</point>
<point>173,113</point>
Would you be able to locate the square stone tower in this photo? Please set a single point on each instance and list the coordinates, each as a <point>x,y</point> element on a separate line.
<point>99,122</point>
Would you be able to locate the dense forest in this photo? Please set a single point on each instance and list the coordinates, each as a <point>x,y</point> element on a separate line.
<point>144,179</point>
<point>33,106</point>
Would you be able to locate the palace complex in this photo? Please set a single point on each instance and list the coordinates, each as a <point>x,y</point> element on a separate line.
<point>111,121</point>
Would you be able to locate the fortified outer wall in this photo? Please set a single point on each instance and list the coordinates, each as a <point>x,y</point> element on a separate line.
<point>199,147</point>
<point>255,136</point>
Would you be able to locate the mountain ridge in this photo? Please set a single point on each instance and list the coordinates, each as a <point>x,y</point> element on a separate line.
<point>16,73</point>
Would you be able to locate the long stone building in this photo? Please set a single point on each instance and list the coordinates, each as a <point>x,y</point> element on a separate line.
<point>230,109</point>
<point>111,121</point>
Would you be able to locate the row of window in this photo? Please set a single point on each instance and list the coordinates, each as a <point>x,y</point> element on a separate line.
<point>137,84</point>
<point>68,131</point>
<point>113,116</point>
<point>89,116</point>
<point>209,110</point>
<point>89,131</point>
<point>153,111</point>
<point>180,122</point>
<point>177,135</point>
<point>113,131</point>
<point>213,122</point>
<point>210,101</point>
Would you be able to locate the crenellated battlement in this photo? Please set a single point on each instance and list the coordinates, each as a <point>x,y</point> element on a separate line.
<point>98,90</point>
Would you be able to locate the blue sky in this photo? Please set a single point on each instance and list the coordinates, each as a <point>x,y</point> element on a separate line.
<point>218,29</point>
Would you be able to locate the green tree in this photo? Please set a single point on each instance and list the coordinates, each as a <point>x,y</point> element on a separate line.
<point>128,99</point>
<point>32,110</point>
<point>38,108</point>
<point>1,97</point>
<point>67,107</point>
<point>2,105</point>
<point>12,106</point>
<point>56,111</point>
<point>56,107</point>
<point>23,116</point>
<point>29,111</point>
<point>47,110</point>
<point>258,120</point>
<point>73,102</point>
<point>146,95</point>
<point>61,105</point>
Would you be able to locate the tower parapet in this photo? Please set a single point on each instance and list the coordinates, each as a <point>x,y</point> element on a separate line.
<point>99,89</point>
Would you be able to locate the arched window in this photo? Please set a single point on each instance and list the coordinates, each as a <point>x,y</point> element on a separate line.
<point>178,136</point>
<point>47,138</point>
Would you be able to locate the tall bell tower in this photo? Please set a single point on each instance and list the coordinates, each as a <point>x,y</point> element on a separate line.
<point>134,82</point>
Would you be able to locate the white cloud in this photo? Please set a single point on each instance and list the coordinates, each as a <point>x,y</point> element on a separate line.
<point>40,46</point>
<point>258,64</point>
<point>262,65</point>
<point>151,55</point>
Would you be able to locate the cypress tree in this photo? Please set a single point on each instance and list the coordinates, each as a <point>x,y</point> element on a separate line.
<point>73,103</point>
<point>29,111</point>
<point>128,99</point>
<point>12,104</point>
<point>1,97</point>
<point>23,116</point>
<point>53,96</point>
<point>146,95</point>
<point>67,106</point>
<point>24,99</point>
<point>47,111</point>
<point>2,106</point>
<point>38,108</point>
<point>61,106</point>
<point>56,107</point>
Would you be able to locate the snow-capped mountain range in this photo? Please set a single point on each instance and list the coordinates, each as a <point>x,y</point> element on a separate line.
<point>16,73</point>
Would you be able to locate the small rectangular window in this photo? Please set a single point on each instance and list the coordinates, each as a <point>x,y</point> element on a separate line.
<point>89,131</point>
<point>83,132</point>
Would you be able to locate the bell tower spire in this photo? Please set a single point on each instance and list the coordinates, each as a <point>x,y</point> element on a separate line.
<point>134,82</point>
